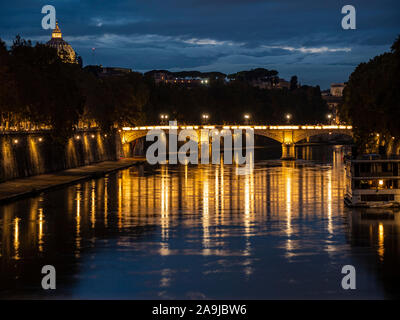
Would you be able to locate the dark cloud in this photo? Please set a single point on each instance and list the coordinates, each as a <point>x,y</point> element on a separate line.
<point>292,36</point>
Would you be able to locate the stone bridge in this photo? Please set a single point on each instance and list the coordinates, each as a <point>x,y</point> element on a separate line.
<point>287,135</point>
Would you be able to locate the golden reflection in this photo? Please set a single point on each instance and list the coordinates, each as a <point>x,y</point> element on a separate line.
<point>164,210</point>
<point>40,234</point>
<point>329,204</point>
<point>222,186</point>
<point>289,205</point>
<point>205,220</point>
<point>119,202</point>
<point>248,217</point>
<point>16,239</point>
<point>247,198</point>
<point>32,225</point>
<point>78,221</point>
<point>106,202</point>
<point>381,245</point>
<point>128,186</point>
<point>287,172</point>
<point>186,175</point>
<point>211,202</point>
<point>248,202</point>
<point>216,182</point>
<point>93,205</point>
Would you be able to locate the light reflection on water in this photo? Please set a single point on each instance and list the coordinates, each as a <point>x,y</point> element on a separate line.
<point>200,232</point>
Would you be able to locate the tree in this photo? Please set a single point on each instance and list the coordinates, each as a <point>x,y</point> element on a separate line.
<point>293,83</point>
<point>372,100</point>
<point>46,91</point>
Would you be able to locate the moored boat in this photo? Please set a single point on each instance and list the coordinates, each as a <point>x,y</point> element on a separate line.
<point>373,181</point>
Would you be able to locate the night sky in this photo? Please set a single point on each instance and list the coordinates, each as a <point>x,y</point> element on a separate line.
<point>304,38</point>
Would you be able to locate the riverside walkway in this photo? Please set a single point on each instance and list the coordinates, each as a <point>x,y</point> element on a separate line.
<point>29,186</point>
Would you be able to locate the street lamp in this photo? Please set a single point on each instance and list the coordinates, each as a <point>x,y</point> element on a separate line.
<point>288,117</point>
<point>246,118</point>
<point>205,117</point>
<point>329,116</point>
<point>163,117</point>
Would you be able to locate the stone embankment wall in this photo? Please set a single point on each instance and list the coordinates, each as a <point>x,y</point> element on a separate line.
<point>29,154</point>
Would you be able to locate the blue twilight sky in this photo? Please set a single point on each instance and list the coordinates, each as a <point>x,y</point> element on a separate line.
<point>292,36</point>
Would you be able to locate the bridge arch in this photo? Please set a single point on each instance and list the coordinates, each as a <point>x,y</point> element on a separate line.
<point>131,136</point>
<point>313,133</point>
<point>294,136</point>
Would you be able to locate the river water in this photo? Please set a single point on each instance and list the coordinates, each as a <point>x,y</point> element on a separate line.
<point>202,232</point>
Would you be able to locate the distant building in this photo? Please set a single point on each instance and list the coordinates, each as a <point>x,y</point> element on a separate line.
<point>161,77</point>
<point>282,83</point>
<point>188,82</point>
<point>263,83</point>
<point>334,98</point>
<point>164,77</point>
<point>64,50</point>
<point>337,89</point>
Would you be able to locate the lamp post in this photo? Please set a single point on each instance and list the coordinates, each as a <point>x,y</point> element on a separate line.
<point>329,116</point>
<point>246,118</point>
<point>288,117</point>
<point>164,118</point>
<point>205,117</point>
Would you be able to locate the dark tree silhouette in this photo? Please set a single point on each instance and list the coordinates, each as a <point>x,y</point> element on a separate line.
<point>372,100</point>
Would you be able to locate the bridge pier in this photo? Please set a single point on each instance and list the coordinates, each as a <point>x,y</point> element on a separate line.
<point>288,151</point>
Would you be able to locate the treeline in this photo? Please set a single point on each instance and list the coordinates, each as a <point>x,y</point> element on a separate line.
<point>372,101</point>
<point>36,86</point>
<point>228,102</point>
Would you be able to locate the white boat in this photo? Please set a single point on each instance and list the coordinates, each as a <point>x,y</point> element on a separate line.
<point>373,181</point>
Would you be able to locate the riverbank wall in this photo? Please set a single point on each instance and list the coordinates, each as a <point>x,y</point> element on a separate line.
<point>34,153</point>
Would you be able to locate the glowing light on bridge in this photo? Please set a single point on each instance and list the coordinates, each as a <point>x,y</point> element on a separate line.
<point>284,127</point>
<point>257,127</point>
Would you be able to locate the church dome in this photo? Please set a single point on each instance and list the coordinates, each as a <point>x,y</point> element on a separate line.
<point>64,50</point>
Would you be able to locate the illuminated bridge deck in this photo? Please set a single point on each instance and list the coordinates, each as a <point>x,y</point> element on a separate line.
<point>287,135</point>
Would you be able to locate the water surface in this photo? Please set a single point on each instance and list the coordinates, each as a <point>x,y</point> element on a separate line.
<point>201,232</point>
